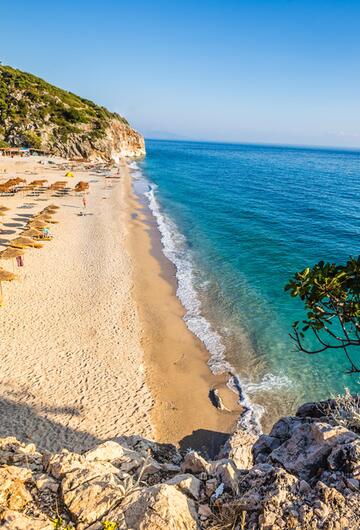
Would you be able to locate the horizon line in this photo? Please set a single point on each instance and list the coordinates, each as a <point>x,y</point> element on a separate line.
<point>258,144</point>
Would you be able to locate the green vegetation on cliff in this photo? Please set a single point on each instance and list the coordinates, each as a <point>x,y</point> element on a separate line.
<point>34,113</point>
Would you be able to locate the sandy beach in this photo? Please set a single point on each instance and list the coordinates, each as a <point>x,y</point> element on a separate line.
<point>72,365</point>
<point>93,344</point>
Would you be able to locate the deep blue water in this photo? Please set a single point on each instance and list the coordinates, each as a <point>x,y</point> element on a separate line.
<point>238,221</point>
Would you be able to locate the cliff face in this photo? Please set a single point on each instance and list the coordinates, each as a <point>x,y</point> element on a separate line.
<point>119,140</point>
<point>34,113</point>
<point>304,475</point>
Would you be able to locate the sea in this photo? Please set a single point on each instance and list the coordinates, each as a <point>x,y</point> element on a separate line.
<point>237,221</point>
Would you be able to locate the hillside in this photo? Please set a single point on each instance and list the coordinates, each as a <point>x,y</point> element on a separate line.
<point>34,113</point>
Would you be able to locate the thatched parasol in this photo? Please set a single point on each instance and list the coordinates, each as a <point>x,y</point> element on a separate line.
<point>52,207</point>
<point>11,253</point>
<point>81,186</point>
<point>44,218</point>
<point>36,183</point>
<point>5,188</point>
<point>23,242</point>
<point>4,209</point>
<point>15,182</point>
<point>38,223</point>
<point>6,276</point>
<point>32,232</point>
<point>59,185</point>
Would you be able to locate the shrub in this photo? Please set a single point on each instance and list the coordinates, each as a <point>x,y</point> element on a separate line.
<point>31,139</point>
<point>345,411</point>
<point>331,297</point>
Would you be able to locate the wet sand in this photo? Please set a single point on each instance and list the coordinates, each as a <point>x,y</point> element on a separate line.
<point>176,361</point>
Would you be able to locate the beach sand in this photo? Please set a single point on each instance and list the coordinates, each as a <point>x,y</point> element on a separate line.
<point>72,369</point>
<point>92,341</point>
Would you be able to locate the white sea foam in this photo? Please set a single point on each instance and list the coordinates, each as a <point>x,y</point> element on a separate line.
<point>174,247</point>
<point>269,382</point>
<point>135,170</point>
<point>176,250</point>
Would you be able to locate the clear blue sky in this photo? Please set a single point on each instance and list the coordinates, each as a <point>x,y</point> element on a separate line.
<point>275,71</point>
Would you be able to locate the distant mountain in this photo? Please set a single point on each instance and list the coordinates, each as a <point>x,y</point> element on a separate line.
<point>34,113</point>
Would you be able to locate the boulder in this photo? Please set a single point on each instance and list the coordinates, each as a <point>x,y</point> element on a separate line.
<point>305,453</point>
<point>13,492</point>
<point>61,463</point>
<point>109,451</point>
<point>11,520</point>
<point>346,457</point>
<point>90,501</point>
<point>226,473</point>
<point>87,472</point>
<point>265,485</point>
<point>156,508</point>
<point>262,448</point>
<point>194,463</point>
<point>239,448</point>
<point>187,483</point>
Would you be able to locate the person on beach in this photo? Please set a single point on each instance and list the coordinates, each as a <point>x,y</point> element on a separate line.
<point>84,201</point>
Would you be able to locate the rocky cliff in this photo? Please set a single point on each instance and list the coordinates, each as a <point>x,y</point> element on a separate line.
<point>35,114</point>
<point>303,475</point>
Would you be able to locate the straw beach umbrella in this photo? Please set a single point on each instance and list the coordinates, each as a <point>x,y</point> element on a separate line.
<point>32,232</point>
<point>38,183</point>
<point>24,242</point>
<point>11,253</point>
<point>38,223</point>
<point>5,276</point>
<point>43,215</point>
<point>59,184</point>
<point>81,186</point>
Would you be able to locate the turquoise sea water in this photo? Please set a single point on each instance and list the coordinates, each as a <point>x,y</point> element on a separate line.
<point>237,221</point>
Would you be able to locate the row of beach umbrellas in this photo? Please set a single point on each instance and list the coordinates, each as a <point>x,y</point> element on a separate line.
<point>35,231</point>
<point>18,184</point>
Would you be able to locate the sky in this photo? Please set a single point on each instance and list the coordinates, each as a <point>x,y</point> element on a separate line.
<point>257,71</point>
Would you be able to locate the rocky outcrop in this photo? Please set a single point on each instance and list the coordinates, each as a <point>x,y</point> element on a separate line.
<point>38,115</point>
<point>118,140</point>
<point>304,475</point>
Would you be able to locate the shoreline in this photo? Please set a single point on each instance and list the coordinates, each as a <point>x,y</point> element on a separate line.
<point>94,344</point>
<point>176,361</point>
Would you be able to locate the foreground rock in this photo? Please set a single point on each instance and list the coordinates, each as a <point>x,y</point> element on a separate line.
<point>304,475</point>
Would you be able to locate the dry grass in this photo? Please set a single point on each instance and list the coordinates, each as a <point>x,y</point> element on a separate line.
<point>345,411</point>
<point>229,517</point>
